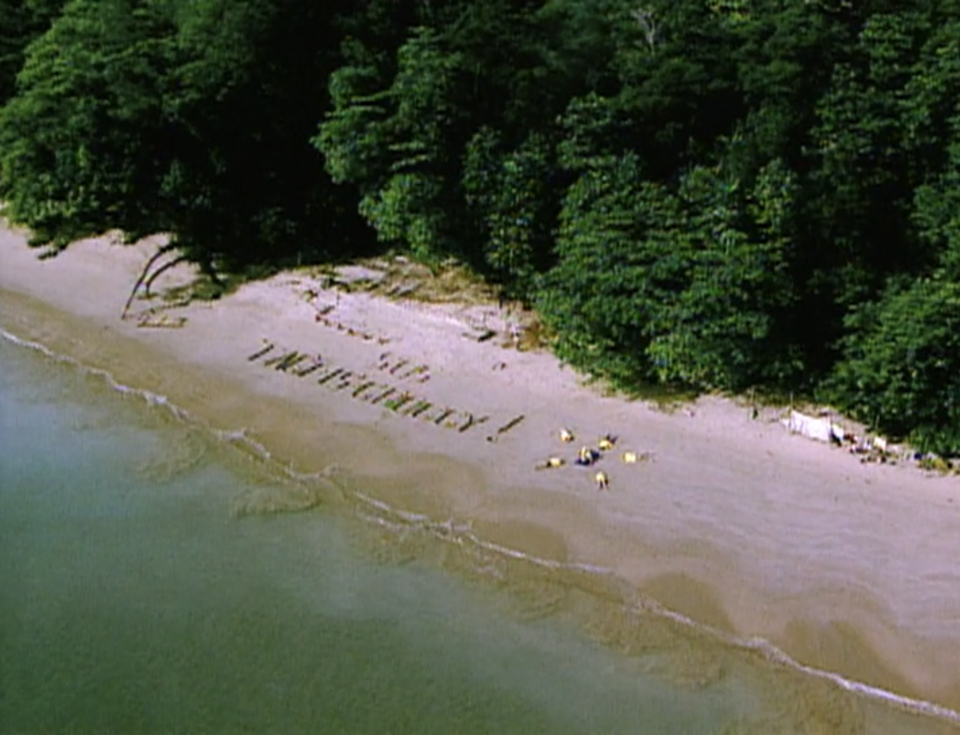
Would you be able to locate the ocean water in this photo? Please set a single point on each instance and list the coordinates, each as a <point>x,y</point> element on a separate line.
<point>135,598</point>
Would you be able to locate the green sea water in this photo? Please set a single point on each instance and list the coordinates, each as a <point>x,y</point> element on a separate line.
<point>135,599</point>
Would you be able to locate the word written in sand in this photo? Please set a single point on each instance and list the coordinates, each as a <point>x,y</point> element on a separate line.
<point>512,423</point>
<point>389,396</point>
<point>403,368</point>
<point>322,318</point>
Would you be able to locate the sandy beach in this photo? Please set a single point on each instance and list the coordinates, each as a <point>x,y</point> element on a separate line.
<point>727,518</point>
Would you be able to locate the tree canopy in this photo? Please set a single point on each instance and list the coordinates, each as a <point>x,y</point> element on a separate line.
<point>724,194</point>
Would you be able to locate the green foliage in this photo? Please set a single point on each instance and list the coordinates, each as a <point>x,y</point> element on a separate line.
<point>715,330</point>
<point>409,206</point>
<point>186,117</point>
<point>593,133</point>
<point>392,142</point>
<point>510,195</point>
<point>75,144</point>
<point>681,286</point>
<point>353,136</point>
<point>937,212</point>
<point>870,156</point>
<point>901,365</point>
<point>21,21</point>
<point>933,108</point>
<point>595,298</point>
<point>716,193</point>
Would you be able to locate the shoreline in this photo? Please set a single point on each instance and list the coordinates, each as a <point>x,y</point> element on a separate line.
<point>583,578</point>
<point>734,523</point>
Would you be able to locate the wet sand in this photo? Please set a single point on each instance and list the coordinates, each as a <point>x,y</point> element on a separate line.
<point>733,522</point>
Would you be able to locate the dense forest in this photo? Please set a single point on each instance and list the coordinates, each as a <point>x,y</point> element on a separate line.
<point>722,194</point>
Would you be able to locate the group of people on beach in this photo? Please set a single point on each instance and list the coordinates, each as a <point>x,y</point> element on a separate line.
<point>589,456</point>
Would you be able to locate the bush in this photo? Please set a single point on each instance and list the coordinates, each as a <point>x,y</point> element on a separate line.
<point>900,369</point>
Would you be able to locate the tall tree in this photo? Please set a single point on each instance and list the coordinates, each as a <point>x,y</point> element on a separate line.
<point>684,286</point>
<point>21,21</point>
<point>186,117</point>
<point>899,369</point>
<point>510,193</point>
<point>78,143</point>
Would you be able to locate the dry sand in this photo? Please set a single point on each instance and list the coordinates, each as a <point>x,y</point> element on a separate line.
<point>732,522</point>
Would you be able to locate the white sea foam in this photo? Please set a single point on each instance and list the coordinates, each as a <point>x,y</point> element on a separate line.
<point>463,533</point>
<point>150,397</point>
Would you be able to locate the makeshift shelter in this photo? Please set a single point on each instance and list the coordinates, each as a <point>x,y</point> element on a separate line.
<point>823,430</point>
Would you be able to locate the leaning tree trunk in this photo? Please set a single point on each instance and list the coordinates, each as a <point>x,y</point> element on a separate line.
<point>162,269</point>
<point>161,251</point>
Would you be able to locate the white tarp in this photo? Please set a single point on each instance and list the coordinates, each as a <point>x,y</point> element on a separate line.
<point>822,430</point>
